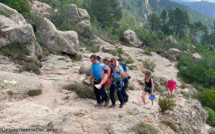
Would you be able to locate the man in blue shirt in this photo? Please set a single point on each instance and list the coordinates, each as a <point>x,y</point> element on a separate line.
<point>99,74</point>
<point>124,94</point>
<point>117,82</point>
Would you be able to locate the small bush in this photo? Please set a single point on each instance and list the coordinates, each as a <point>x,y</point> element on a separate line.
<point>34,92</point>
<point>166,104</point>
<point>15,50</point>
<point>129,60</point>
<point>211,117</point>
<point>171,125</point>
<point>183,86</point>
<point>81,90</point>
<point>211,131</point>
<point>10,93</point>
<point>120,116</point>
<point>120,51</point>
<point>32,67</point>
<point>149,64</point>
<point>143,128</point>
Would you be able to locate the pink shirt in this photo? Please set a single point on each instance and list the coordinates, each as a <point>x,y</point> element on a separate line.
<point>171,84</point>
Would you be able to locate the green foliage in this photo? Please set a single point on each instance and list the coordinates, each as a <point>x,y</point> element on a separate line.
<point>15,50</point>
<point>81,90</point>
<point>32,67</point>
<point>35,92</point>
<point>143,128</point>
<point>120,116</point>
<point>21,6</point>
<point>129,60</point>
<point>7,13</point>
<point>151,40</point>
<point>211,130</point>
<point>154,22</point>
<point>120,51</point>
<point>166,104</point>
<point>178,19</point>
<point>183,86</point>
<point>171,124</point>
<point>148,64</point>
<point>207,98</point>
<point>211,117</point>
<point>10,93</point>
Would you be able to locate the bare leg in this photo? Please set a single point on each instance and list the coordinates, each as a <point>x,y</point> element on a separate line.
<point>143,97</point>
<point>152,102</point>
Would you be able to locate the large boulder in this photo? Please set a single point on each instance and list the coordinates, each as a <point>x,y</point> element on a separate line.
<point>41,8</point>
<point>170,39</point>
<point>15,29</point>
<point>196,58</point>
<point>80,19</point>
<point>61,41</point>
<point>131,37</point>
<point>173,54</point>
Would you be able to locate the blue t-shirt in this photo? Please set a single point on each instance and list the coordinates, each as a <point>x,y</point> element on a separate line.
<point>97,70</point>
<point>115,74</point>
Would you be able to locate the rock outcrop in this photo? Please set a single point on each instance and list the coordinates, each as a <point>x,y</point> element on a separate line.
<point>173,54</point>
<point>80,17</point>
<point>15,29</point>
<point>131,37</point>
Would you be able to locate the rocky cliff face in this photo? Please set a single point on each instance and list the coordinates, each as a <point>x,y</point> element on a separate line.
<point>15,29</point>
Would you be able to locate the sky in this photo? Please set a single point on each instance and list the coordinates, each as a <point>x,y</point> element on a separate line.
<point>199,0</point>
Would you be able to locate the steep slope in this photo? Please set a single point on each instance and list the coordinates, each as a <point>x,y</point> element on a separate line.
<point>141,8</point>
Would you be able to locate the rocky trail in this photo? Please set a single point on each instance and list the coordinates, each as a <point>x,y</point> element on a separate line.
<point>67,113</point>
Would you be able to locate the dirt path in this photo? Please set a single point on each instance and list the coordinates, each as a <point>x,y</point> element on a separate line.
<point>48,96</point>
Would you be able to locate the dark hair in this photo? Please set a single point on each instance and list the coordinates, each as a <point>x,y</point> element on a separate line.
<point>148,73</point>
<point>93,57</point>
<point>113,60</point>
<point>120,60</point>
<point>98,57</point>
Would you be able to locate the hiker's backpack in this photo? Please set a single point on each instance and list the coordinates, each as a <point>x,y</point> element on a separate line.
<point>123,66</point>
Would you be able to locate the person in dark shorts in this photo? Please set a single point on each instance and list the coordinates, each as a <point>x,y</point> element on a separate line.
<point>148,87</point>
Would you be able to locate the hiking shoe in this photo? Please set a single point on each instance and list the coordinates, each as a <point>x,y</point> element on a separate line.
<point>121,106</point>
<point>143,106</point>
<point>98,105</point>
<point>106,103</point>
<point>112,106</point>
<point>98,86</point>
<point>152,106</point>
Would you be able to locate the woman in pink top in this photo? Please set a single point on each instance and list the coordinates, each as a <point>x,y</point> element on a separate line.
<point>171,86</point>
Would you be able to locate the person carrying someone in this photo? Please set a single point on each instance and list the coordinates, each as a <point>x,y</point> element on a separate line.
<point>118,75</point>
<point>99,73</point>
<point>124,94</point>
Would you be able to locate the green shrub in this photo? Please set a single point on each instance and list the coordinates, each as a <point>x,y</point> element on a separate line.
<point>149,64</point>
<point>129,60</point>
<point>34,92</point>
<point>211,131</point>
<point>81,90</point>
<point>21,6</point>
<point>207,98</point>
<point>32,67</point>
<point>15,50</point>
<point>7,13</point>
<point>143,128</point>
<point>211,117</point>
<point>166,104</point>
<point>183,86</point>
<point>120,116</point>
<point>171,124</point>
<point>120,51</point>
<point>10,93</point>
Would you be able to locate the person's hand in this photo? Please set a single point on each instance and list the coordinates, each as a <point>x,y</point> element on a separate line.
<point>117,69</point>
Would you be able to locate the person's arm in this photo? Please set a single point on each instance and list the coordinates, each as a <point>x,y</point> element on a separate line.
<point>127,73</point>
<point>109,71</point>
<point>152,86</point>
<point>143,85</point>
<point>120,71</point>
<point>105,76</point>
<point>123,74</point>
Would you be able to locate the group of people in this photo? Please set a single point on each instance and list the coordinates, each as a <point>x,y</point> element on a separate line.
<point>105,72</point>
<point>115,72</point>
